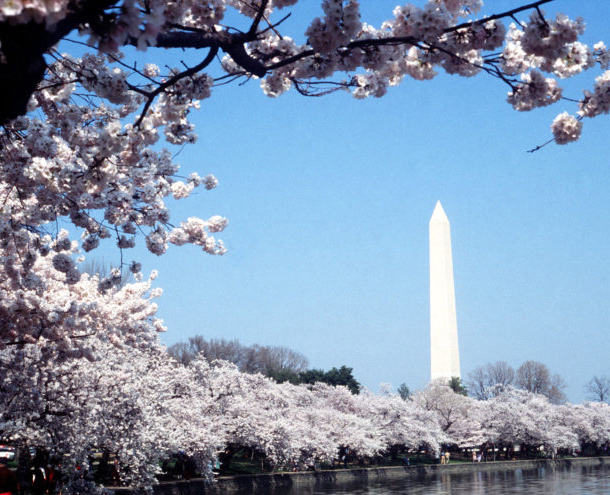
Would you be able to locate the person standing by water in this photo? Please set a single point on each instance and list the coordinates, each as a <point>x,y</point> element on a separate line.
<point>39,480</point>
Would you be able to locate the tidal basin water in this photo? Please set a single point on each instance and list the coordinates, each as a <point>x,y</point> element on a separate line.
<point>577,480</point>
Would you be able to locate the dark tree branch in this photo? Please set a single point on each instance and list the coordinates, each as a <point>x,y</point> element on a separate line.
<point>259,17</point>
<point>299,86</point>
<point>190,39</point>
<point>25,342</point>
<point>22,46</point>
<point>232,43</point>
<point>508,13</point>
<point>173,80</point>
<point>408,40</point>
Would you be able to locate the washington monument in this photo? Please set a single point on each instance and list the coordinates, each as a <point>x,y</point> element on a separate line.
<point>444,350</point>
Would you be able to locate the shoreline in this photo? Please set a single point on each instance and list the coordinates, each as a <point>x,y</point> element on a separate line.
<point>267,482</point>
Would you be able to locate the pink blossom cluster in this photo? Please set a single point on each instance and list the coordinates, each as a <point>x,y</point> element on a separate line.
<point>550,40</point>
<point>534,91</point>
<point>197,231</point>
<point>20,11</point>
<point>415,42</point>
<point>566,128</point>
<point>340,24</point>
<point>94,165</point>
<point>538,51</point>
<point>597,102</point>
<point>385,64</point>
<point>430,39</point>
<point>196,14</point>
<point>41,308</point>
<point>84,159</point>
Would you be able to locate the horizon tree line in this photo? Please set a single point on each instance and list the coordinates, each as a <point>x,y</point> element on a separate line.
<point>287,365</point>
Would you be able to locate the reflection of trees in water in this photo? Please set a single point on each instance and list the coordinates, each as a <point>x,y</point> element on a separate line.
<point>477,483</point>
<point>579,480</point>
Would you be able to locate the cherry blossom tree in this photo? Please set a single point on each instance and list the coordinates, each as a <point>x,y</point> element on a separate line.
<point>41,308</point>
<point>520,417</point>
<point>82,370</point>
<point>305,424</point>
<point>590,422</point>
<point>405,423</point>
<point>414,42</point>
<point>131,404</point>
<point>451,407</point>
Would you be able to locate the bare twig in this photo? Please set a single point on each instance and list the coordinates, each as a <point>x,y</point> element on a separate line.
<point>508,13</point>
<point>540,146</point>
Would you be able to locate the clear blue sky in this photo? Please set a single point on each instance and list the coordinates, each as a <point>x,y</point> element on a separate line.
<point>329,201</point>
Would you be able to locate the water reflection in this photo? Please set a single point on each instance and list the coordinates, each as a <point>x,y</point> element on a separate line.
<point>555,481</point>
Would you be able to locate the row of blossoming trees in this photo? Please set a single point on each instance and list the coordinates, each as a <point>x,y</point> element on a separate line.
<point>81,141</point>
<point>138,403</point>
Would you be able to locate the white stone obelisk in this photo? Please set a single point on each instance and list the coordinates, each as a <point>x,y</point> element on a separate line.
<point>444,350</point>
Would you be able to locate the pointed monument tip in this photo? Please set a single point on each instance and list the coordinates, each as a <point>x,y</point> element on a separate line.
<point>438,214</point>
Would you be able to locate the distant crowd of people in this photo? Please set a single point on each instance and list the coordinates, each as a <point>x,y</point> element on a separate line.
<point>39,479</point>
